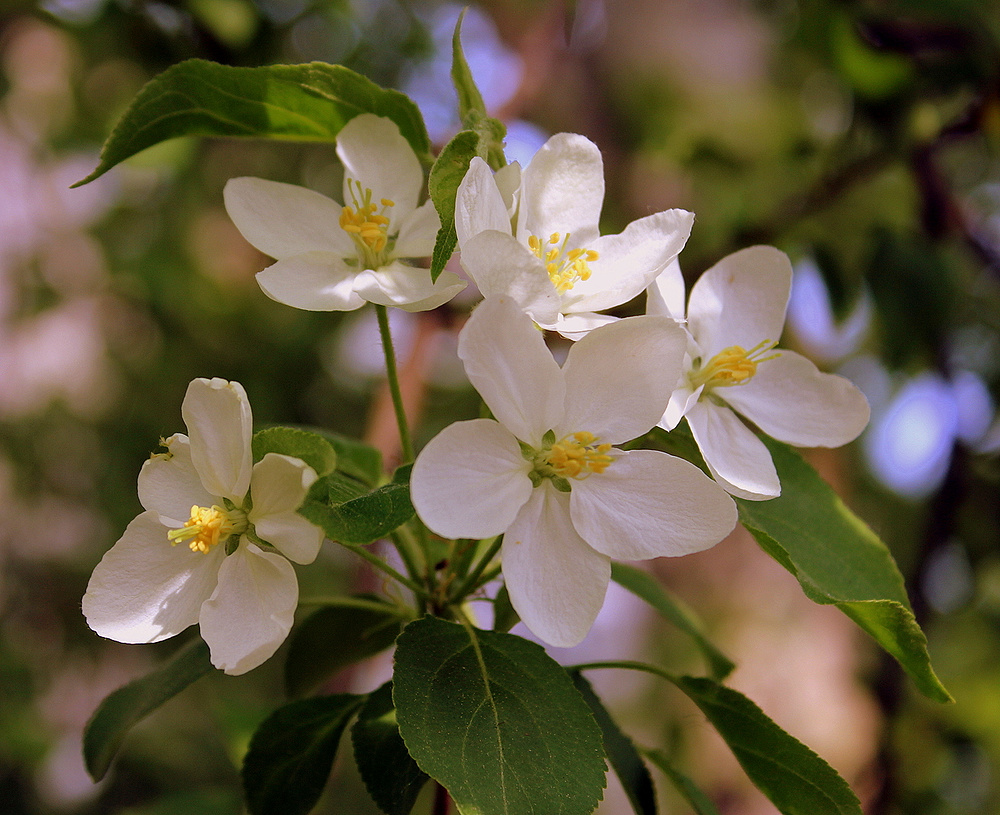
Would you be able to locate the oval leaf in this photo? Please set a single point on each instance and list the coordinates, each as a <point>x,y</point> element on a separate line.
<point>496,721</point>
<point>122,709</point>
<point>291,753</point>
<point>309,102</point>
<point>312,448</point>
<point>391,775</point>
<point>442,185</point>
<point>363,519</point>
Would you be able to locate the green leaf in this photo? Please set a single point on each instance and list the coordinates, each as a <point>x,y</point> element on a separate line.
<point>363,519</point>
<point>838,559</point>
<point>646,587</point>
<point>504,616</point>
<point>496,721</point>
<point>290,755</point>
<point>447,173</point>
<point>312,448</point>
<point>356,459</point>
<point>621,752</point>
<point>117,714</point>
<point>797,781</point>
<point>309,102</point>
<point>334,637</point>
<point>470,100</point>
<point>700,803</point>
<point>391,775</point>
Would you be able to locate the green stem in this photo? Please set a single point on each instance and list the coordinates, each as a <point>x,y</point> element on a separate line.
<point>381,565</point>
<point>406,446</point>
<point>626,665</point>
<point>358,602</point>
<point>404,543</point>
<point>472,582</point>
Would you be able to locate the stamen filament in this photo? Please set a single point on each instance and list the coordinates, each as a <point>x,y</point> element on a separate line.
<point>733,365</point>
<point>565,268</point>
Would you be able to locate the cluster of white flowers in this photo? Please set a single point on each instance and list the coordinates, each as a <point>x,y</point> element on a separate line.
<point>545,473</point>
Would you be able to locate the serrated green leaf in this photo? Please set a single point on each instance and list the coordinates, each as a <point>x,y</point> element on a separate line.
<point>645,586</point>
<point>838,559</point>
<point>793,777</point>
<point>290,755</point>
<point>447,173</point>
<point>496,721</point>
<point>355,458</point>
<point>296,442</point>
<point>700,803</point>
<point>121,710</point>
<point>621,752</point>
<point>334,637</point>
<point>363,519</point>
<point>391,775</point>
<point>309,102</point>
<point>469,97</point>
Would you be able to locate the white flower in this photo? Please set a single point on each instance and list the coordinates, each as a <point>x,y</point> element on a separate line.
<point>545,474</point>
<point>735,317</point>
<point>205,498</point>
<point>534,237</point>
<point>332,257</point>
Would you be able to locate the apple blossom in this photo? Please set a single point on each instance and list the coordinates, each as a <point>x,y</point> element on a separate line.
<point>735,316</point>
<point>335,258</point>
<point>545,473</point>
<point>534,237</point>
<point>206,548</point>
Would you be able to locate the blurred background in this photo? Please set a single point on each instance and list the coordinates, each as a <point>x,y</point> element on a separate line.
<point>860,137</point>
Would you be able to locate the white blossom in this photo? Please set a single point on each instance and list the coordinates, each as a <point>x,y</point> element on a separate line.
<point>545,473</point>
<point>206,548</point>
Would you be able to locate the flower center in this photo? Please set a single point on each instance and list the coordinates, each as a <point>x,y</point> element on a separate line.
<point>207,526</point>
<point>564,268</point>
<point>733,366</point>
<point>367,225</point>
<point>577,455</point>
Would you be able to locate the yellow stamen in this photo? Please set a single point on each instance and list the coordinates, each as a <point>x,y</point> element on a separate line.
<point>367,225</point>
<point>575,456</point>
<point>206,527</point>
<point>565,268</point>
<point>733,366</point>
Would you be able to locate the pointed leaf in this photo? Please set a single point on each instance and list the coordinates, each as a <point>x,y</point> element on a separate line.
<point>290,755</point>
<point>363,519</point>
<point>469,98</point>
<point>392,777</point>
<point>496,721</point>
<point>334,637</point>
<point>621,752</point>
<point>309,102</point>
<point>122,709</point>
<point>700,803</point>
<point>797,781</point>
<point>296,442</point>
<point>442,185</point>
<point>356,459</point>
<point>645,586</point>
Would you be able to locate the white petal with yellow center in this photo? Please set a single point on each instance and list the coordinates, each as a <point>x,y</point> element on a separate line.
<point>219,423</point>
<point>313,281</point>
<point>169,483</point>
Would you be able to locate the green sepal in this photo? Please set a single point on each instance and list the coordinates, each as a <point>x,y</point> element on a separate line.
<point>561,484</point>
<point>549,438</point>
<point>310,102</point>
<point>312,448</point>
<point>291,753</point>
<point>528,452</point>
<point>126,706</point>
<point>391,775</point>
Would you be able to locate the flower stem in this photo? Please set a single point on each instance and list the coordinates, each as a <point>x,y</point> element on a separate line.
<point>406,446</point>
<point>381,565</point>
<point>472,582</point>
<point>357,602</point>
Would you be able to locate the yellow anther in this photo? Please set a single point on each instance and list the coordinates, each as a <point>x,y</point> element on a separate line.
<point>366,224</point>
<point>565,267</point>
<point>733,365</point>
<point>206,527</point>
<point>574,456</point>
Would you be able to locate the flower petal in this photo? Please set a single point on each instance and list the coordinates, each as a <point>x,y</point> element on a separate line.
<point>470,480</point>
<point>144,589</point>
<point>665,295</point>
<point>170,485</point>
<point>555,580</point>
<point>630,261</point>
<point>790,399</point>
<point>681,401</point>
<point>219,423</point>
<point>741,300</point>
<point>479,204</point>
<point>278,488</point>
<point>579,325</point>
<point>507,361</point>
<point>499,266</point>
<point>562,190</point>
<point>649,504</point>
<point>250,612</point>
<point>284,220</point>
<point>374,153</point>
<point>292,535</point>
<point>407,287</point>
<point>314,281</point>
<point>737,459</point>
<point>620,376</point>
<point>418,233</point>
